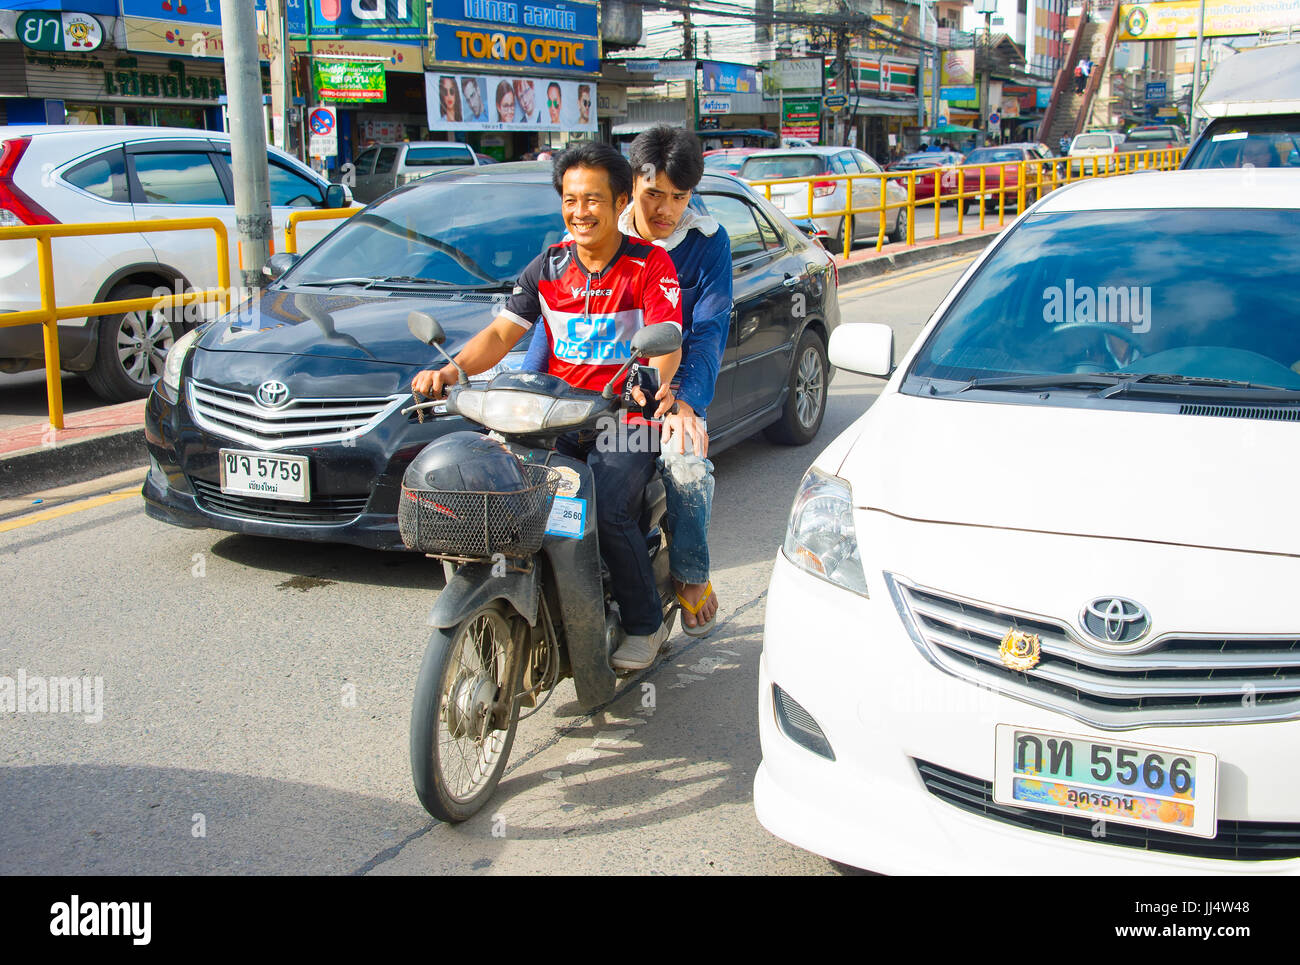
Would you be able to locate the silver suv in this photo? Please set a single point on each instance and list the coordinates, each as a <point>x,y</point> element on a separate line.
<point>383,167</point>
<point>57,174</point>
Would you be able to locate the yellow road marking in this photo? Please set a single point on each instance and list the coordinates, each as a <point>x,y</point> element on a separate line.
<point>56,512</point>
<point>854,287</point>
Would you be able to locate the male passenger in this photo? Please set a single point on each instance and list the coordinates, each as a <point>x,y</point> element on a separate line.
<point>616,284</point>
<point>667,164</point>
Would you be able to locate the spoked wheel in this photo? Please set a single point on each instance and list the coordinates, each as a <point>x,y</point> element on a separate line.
<point>464,715</point>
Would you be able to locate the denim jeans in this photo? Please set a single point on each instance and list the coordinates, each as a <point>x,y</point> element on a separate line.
<point>688,485</point>
<point>620,480</point>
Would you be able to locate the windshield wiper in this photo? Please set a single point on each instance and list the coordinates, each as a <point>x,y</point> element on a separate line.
<point>331,282</point>
<point>1168,383</point>
<point>1061,381</point>
<point>412,280</point>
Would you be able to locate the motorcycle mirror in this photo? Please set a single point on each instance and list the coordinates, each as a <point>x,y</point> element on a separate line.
<point>663,338</point>
<point>426,328</point>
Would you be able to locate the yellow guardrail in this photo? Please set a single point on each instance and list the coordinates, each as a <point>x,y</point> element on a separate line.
<point>49,313</point>
<point>1021,181</point>
<point>311,214</point>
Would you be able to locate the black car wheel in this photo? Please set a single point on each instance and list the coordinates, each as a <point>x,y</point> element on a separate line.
<point>805,406</point>
<point>131,349</point>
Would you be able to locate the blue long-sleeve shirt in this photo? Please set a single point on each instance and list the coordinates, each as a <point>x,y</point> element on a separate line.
<point>703,263</point>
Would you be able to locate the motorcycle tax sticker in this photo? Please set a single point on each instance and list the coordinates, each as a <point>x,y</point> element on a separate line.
<point>567,517</point>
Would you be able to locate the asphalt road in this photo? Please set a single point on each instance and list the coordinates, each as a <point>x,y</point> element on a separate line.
<point>256,697</point>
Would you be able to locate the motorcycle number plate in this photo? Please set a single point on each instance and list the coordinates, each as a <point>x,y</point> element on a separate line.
<point>568,514</point>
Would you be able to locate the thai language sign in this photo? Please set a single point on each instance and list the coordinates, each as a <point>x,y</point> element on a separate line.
<point>350,82</point>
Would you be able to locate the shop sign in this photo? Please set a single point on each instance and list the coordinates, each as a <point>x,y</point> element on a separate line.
<point>495,102</point>
<point>801,117</point>
<point>193,28</point>
<point>715,104</point>
<point>172,85</point>
<point>399,57</point>
<point>390,18</point>
<point>504,50</point>
<point>611,100</point>
<point>62,32</point>
<point>571,16</point>
<point>350,82</point>
<point>804,73</point>
<point>1223,18</point>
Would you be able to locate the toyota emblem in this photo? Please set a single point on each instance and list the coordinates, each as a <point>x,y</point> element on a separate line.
<point>1113,619</point>
<point>273,394</point>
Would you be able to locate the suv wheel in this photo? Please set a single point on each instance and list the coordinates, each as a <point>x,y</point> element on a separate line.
<point>131,350</point>
<point>805,405</point>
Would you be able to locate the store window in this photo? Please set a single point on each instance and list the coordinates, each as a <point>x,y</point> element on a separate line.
<point>178,178</point>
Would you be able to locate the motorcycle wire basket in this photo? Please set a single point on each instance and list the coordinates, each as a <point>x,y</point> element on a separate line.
<point>479,524</point>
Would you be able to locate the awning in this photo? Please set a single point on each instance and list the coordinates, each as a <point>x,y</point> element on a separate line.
<point>877,105</point>
<point>639,127</point>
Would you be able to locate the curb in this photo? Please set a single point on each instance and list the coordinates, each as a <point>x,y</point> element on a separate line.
<point>76,460</point>
<point>885,262</point>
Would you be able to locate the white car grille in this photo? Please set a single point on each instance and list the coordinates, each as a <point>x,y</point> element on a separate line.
<point>300,422</point>
<point>1175,679</point>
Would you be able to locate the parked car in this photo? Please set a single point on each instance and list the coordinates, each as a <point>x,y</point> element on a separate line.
<point>1091,145</point>
<point>811,162</point>
<point>53,174</point>
<point>727,160</point>
<point>1252,100</point>
<point>1154,137</point>
<point>1043,668</point>
<point>382,167</point>
<point>1000,167</point>
<point>310,380</point>
<point>930,165</point>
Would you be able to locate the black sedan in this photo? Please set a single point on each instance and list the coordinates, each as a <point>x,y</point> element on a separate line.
<point>282,418</point>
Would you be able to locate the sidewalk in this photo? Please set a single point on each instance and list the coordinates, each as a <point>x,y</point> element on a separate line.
<point>107,440</point>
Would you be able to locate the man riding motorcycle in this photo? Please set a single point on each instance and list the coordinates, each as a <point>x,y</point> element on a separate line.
<point>593,291</point>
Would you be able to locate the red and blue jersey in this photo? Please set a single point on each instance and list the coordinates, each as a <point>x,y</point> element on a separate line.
<point>590,317</point>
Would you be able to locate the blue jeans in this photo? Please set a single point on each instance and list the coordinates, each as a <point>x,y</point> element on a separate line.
<point>688,485</point>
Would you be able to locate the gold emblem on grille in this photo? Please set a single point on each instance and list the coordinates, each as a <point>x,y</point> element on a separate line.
<point>1020,650</point>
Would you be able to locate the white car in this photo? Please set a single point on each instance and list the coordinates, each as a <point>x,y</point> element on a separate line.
<point>1092,145</point>
<point>829,195</point>
<point>79,174</point>
<point>1036,609</point>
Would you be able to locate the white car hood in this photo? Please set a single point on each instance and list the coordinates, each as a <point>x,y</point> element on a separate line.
<point>1215,482</point>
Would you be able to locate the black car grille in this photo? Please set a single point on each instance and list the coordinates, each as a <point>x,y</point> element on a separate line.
<point>1235,840</point>
<point>321,510</point>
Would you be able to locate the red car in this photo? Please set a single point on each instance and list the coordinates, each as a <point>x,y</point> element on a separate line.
<point>928,164</point>
<point>1001,167</point>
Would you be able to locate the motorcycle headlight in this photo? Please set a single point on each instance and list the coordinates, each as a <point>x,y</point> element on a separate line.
<point>507,411</point>
<point>176,358</point>
<point>820,537</point>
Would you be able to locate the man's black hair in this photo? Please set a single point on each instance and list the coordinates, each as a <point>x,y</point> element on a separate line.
<point>593,154</point>
<point>676,152</point>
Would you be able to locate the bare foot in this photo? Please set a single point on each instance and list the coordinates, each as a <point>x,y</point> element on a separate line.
<point>692,592</point>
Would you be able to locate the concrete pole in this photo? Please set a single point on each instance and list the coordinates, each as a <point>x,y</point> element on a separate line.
<point>1193,120</point>
<point>247,140</point>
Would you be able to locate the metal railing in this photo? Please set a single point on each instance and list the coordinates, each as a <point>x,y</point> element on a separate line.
<point>1018,182</point>
<point>49,314</point>
<point>311,214</point>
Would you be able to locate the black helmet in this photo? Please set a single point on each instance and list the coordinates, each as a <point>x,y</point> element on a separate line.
<point>465,462</point>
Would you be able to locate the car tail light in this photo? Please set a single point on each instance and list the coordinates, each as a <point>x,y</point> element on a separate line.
<point>823,188</point>
<point>16,208</point>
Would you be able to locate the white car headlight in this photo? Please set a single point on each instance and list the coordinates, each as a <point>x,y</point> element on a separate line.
<point>820,537</point>
<point>176,358</point>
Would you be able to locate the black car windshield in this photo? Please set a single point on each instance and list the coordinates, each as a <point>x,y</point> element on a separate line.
<point>458,233</point>
<point>423,156</point>
<point>788,166</point>
<point>994,155</point>
<point>1155,134</point>
<point>1192,293</point>
<point>1265,142</point>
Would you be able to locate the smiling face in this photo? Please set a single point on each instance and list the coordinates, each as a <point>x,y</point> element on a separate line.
<point>553,102</point>
<point>590,209</point>
<point>657,206</point>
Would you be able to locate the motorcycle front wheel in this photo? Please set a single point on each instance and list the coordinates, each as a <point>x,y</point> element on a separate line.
<point>458,754</point>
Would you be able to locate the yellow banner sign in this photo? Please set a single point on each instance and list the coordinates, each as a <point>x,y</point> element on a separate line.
<point>1176,19</point>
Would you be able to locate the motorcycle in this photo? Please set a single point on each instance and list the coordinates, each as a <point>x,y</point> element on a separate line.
<point>514,523</point>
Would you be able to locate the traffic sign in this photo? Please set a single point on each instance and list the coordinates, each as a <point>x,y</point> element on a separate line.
<point>836,102</point>
<point>942,121</point>
<point>995,119</point>
<point>322,124</point>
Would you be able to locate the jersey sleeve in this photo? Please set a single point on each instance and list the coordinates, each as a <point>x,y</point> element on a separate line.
<point>661,292</point>
<point>525,304</point>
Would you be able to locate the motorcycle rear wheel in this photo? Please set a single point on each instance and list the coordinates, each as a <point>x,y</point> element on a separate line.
<point>457,756</point>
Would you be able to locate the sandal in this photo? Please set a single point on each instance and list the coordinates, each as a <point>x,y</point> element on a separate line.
<point>700,629</point>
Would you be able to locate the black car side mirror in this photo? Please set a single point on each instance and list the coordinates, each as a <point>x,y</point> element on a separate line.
<point>336,196</point>
<point>279,263</point>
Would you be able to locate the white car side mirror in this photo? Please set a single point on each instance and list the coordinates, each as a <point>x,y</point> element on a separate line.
<point>863,347</point>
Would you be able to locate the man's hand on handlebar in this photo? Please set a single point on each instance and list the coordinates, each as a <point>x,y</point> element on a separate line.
<point>433,383</point>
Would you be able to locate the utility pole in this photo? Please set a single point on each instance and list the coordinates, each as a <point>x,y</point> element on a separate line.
<point>1194,122</point>
<point>277,34</point>
<point>247,140</point>
<point>688,53</point>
